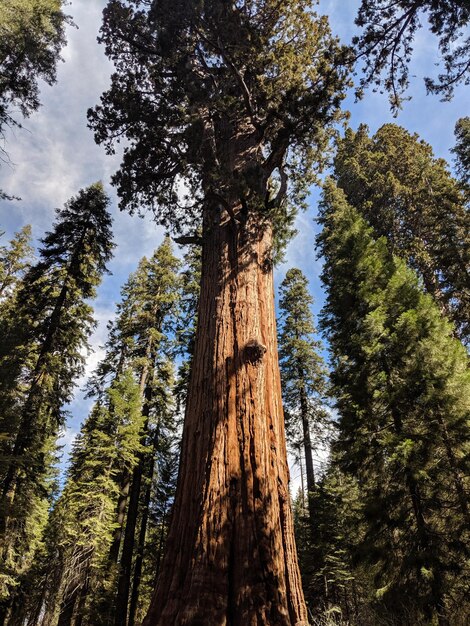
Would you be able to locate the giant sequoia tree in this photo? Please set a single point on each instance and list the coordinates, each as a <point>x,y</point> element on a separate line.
<point>229,99</point>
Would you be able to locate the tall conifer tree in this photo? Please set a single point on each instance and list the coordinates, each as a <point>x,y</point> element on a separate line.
<point>409,196</point>
<point>402,387</point>
<point>151,320</point>
<point>75,562</point>
<point>303,373</point>
<point>131,424</point>
<point>14,261</point>
<point>230,98</point>
<point>41,356</point>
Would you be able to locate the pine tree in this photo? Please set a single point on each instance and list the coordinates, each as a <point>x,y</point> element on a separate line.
<point>31,37</point>
<point>152,323</point>
<point>132,386</point>
<point>80,529</point>
<point>408,196</point>
<point>228,98</point>
<point>402,387</point>
<point>462,149</point>
<point>15,259</point>
<point>41,357</point>
<point>303,373</point>
<point>387,43</point>
<point>335,585</point>
<point>159,482</point>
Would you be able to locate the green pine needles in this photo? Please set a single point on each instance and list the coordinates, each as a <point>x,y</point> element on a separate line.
<point>402,389</point>
<point>47,324</point>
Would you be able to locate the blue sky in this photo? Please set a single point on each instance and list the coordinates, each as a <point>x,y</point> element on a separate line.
<point>55,155</point>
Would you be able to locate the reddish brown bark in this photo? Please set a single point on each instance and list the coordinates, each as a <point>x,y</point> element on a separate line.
<point>230,556</point>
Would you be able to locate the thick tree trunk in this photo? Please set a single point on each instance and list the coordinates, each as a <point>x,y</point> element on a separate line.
<point>230,556</point>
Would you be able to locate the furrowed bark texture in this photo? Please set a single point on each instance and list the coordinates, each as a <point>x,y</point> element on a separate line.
<point>230,556</point>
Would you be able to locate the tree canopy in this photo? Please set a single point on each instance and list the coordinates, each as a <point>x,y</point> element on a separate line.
<point>267,76</point>
<point>387,44</point>
<point>410,197</point>
<point>31,37</point>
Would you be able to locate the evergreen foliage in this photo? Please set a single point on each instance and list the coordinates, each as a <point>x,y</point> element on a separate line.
<point>31,37</point>
<point>190,77</point>
<point>303,373</point>
<point>336,586</point>
<point>41,356</point>
<point>119,466</point>
<point>462,149</point>
<point>15,259</point>
<point>143,317</point>
<point>387,43</point>
<point>80,529</point>
<point>402,387</point>
<point>157,494</point>
<point>407,195</point>
<point>225,109</point>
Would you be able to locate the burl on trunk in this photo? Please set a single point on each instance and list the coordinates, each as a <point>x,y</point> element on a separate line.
<point>231,556</point>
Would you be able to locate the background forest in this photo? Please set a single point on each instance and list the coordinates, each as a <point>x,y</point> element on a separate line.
<point>98,320</point>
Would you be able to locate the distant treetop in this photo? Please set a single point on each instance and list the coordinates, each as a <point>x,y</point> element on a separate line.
<point>31,37</point>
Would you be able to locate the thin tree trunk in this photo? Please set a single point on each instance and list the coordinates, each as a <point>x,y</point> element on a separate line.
<point>125,565</point>
<point>120,518</point>
<point>161,541</point>
<point>302,486</point>
<point>307,441</point>
<point>140,553</point>
<point>230,557</point>
<point>68,609</point>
